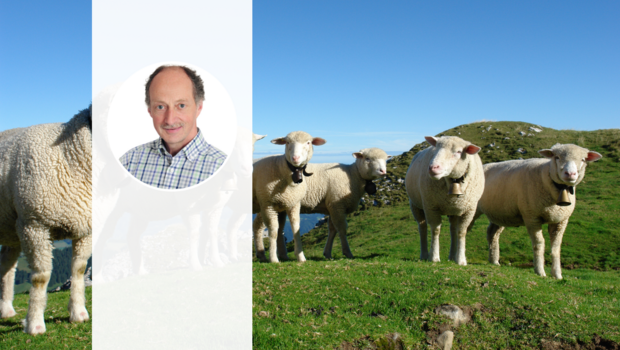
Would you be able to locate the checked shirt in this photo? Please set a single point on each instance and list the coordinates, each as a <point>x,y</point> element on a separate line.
<point>153,165</point>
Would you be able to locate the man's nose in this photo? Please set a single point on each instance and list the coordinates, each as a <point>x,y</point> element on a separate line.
<point>169,116</point>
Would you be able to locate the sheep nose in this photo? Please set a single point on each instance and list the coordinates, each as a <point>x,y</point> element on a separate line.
<point>571,174</point>
<point>435,169</point>
<point>382,171</point>
<point>296,159</point>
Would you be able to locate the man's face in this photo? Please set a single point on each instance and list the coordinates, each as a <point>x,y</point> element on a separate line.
<point>173,108</point>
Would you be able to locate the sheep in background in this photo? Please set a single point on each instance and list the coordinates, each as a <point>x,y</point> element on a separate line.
<point>525,192</point>
<point>274,189</point>
<point>45,195</point>
<point>256,137</point>
<point>451,163</point>
<point>335,190</point>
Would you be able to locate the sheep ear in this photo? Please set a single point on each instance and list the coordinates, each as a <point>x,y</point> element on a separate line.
<point>389,157</point>
<point>259,137</point>
<point>317,141</point>
<point>279,141</point>
<point>593,156</point>
<point>358,155</point>
<point>472,149</point>
<point>546,153</point>
<point>431,140</point>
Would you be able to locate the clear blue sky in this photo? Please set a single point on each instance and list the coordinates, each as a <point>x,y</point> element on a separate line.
<point>360,73</point>
<point>45,61</point>
<point>385,74</point>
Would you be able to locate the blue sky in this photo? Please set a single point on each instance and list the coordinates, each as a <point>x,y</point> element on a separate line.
<point>360,73</point>
<point>45,61</point>
<point>385,74</point>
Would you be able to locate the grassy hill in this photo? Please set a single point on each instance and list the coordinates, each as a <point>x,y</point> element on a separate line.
<point>60,333</point>
<point>352,304</point>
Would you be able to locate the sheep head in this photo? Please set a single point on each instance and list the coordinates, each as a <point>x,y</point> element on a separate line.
<point>299,148</point>
<point>450,156</point>
<point>568,162</point>
<point>371,163</point>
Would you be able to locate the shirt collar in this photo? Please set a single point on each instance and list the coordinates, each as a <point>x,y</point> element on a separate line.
<point>191,151</point>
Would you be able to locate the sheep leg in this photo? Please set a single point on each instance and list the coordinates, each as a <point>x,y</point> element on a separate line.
<point>233,226</point>
<point>538,245</point>
<point>434,220</point>
<point>82,249</point>
<point>8,264</point>
<point>281,245</point>
<point>418,214</point>
<point>258,227</point>
<point>338,223</point>
<point>453,238</point>
<point>136,228</point>
<point>461,224</point>
<point>556,232</point>
<point>331,234</point>
<point>293,216</point>
<point>270,218</point>
<point>192,223</point>
<point>211,220</point>
<point>38,250</point>
<point>493,232</point>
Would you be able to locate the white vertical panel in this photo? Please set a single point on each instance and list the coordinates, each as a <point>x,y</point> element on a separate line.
<point>147,293</point>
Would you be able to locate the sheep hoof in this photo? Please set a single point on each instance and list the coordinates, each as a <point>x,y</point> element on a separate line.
<point>78,315</point>
<point>34,328</point>
<point>434,259</point>
<point>6,310</point>
<point>327,256</point>
<point>283,257</point>
<point>463,263</point>
<point>301,257</point>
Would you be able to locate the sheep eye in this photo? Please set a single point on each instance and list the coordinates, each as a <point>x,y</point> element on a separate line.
<point>557,158</point>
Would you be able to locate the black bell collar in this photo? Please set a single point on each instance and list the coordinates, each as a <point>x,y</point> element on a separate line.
<point>370,187</point>
<point>298,172</point>
<point>561,187</point>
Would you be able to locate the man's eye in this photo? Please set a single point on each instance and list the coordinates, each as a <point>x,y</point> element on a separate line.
<point>160,107</point>
<point>182,105</point>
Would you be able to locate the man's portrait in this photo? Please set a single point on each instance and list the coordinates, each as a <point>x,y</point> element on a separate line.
<point>181,156</point>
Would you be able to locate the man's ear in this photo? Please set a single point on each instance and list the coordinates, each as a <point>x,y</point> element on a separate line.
<point>199,108</point>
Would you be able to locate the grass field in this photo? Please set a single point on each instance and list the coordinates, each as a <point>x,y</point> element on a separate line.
<point>355,304</point>
<point>60,333</point>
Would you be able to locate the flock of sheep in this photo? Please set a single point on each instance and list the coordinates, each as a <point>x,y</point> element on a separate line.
<point>445,179</point>
<point>46,195</point>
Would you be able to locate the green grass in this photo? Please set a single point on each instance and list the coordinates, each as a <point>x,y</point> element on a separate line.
<point>321,304</point>
<point>60,333</point>
<point>386,289</point>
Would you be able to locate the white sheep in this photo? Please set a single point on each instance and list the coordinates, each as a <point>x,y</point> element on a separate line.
<point>432,181</point>
<point>45,195</point>
<point>278,185</point>
<point>335,190</point>
<point>525,193</point>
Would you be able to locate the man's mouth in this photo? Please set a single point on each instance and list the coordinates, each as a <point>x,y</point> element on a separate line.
<point>171,129</point>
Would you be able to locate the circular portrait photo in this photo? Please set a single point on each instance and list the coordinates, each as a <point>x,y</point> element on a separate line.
<point>172,125</point>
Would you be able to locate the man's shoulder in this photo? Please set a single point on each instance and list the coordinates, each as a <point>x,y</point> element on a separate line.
<point>139,150</point>
<point>215,152</point>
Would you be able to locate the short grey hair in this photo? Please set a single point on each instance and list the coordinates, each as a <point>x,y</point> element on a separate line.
<point>199,89</point>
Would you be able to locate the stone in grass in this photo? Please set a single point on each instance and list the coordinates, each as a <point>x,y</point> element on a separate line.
<point>392,341</point>
<point>445,340</point>
<point>454,313</point>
